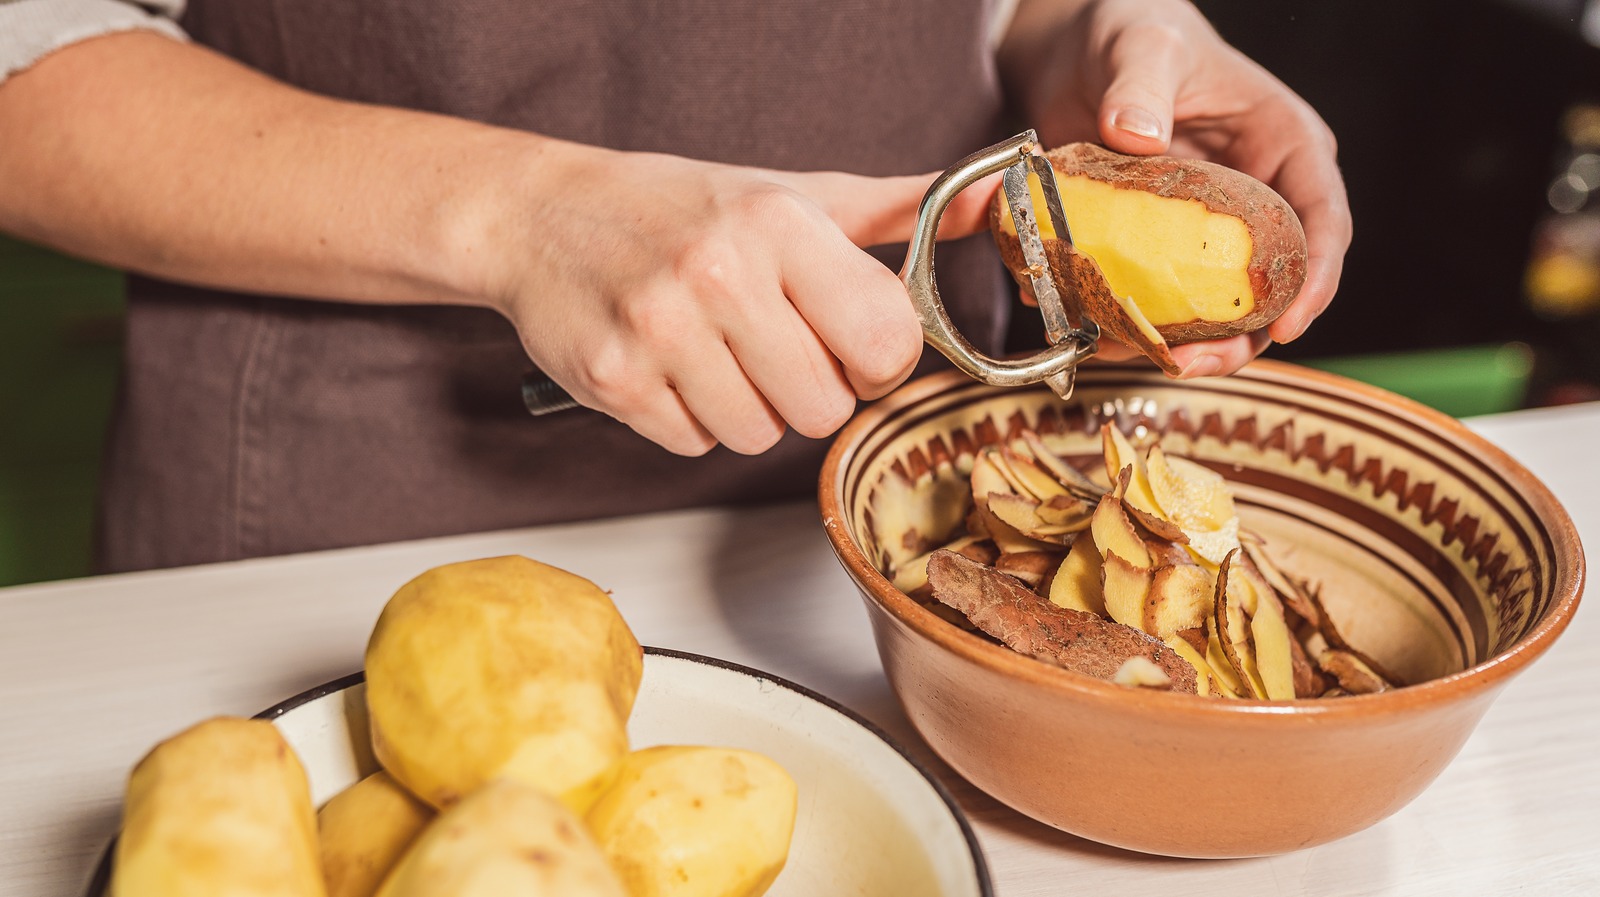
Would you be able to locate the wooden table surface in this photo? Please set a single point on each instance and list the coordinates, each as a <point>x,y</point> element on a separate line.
<point>95,671</point>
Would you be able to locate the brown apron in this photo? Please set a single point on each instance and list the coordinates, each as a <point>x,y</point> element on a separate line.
<point>253,426</point>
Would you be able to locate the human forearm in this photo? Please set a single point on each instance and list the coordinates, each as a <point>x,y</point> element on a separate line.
<point>160,157</point>
<point>698,302</point>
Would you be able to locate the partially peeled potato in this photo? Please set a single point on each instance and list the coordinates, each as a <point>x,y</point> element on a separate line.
<point>1164,250</point>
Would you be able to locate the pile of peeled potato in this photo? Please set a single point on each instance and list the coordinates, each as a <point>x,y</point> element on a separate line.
<point>498,693</point>
<point>1148,582</point>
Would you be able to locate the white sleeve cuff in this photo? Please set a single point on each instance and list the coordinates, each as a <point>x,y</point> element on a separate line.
<point>30,29</point>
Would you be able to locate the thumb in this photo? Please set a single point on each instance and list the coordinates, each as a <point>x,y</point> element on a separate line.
<point>1146,66</point>
<point>876,210</point>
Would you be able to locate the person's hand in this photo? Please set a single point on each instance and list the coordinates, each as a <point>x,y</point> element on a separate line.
<point>1151,77</point>
<point>702,303</point>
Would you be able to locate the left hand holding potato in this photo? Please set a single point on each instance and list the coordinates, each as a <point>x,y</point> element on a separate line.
<point>1151,76</point>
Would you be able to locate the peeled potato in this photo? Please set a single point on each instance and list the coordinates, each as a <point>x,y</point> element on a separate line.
<point>364,830</point>
<point>1165,250</point>
<point>501,667</point>
<point>506,839</point>
<point>221,808</point>
<point>696,822</point>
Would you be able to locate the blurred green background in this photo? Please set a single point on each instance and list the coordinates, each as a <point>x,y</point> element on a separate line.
<point>60,345</point>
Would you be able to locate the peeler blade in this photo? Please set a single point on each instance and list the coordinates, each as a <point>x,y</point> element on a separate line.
<point>1057,326</point>
<point>1015,184</point>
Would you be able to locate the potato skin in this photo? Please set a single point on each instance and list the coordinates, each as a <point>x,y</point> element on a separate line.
<point>1277,266</point>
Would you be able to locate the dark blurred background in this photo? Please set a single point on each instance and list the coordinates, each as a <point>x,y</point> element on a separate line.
<point>1470,139</point>
<point>1468,133</point>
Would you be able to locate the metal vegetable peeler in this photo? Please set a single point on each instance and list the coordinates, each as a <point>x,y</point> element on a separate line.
<point>1069,345</point>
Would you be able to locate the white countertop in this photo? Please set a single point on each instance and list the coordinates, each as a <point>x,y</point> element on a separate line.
<point>93,672</point>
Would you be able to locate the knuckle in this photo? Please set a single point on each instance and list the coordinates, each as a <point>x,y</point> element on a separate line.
<point>691,445</point>
<point>1152,38</point>
<point>833,410</point>
<point>755,436</point>
<point>709,267</point>
<point>774,205</point>
<point>892,346</point>
<point>656,321</point>
<point>609,376</point>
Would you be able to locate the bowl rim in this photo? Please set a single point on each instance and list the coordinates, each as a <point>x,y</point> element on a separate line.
<point>1488,674</point>
<point>100,882</point>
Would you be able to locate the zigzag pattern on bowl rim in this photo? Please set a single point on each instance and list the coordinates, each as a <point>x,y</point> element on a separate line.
<point>1389,471</point>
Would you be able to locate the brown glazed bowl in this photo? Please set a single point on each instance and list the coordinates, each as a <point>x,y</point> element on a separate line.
<point>1439,555</point>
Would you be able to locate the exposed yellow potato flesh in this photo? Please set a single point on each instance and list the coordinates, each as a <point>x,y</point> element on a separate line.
<point>1187,652</point>
<point>1191,495</point>
<point>1113,533</point>
<point>1077,581</point>
<point>1119,453</point>
<point>1174,258</point>
<point>1125,587</point>
<point>1226,679</point>
<point>364,830</point>
<point>1047,230</point>
<point>1273,660</point>
<point>222,807</point>
<point>1180,597</point>
<point>686,821</point>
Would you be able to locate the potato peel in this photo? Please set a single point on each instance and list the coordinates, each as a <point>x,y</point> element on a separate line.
<point>1028,477</point>
<point>1204,681</point>
<point>1067,511</point>
<point>1075,481</point>
<point>1353,675</point>
<point>1336,642</point>
<point>1030,566</point>
<point>1292,594</point>
<point>1270,637</point>
<point>1226,631</point>
<point>1076,584</point>
<point>1073,640</point>
<point>1179,598</point>
<point>1026,517</point>
<point>1114,533</point>
<point>1085,288</point>
<point>1191,495</point>
<point>1126,588</point>
<point>1160,553</point>
<point>1121,456</point>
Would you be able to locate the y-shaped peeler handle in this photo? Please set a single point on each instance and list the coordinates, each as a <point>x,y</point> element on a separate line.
<point>1069,346</point>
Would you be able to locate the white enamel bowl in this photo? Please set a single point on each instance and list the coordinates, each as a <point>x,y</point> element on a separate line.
<point>871,821</point>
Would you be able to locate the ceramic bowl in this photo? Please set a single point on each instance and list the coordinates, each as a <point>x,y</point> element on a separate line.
<point>871,821</point>
<point>1437,554</point>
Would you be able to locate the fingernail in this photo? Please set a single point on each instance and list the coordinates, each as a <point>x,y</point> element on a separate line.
<point>1137,121</point>
<point>1204,366</point>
